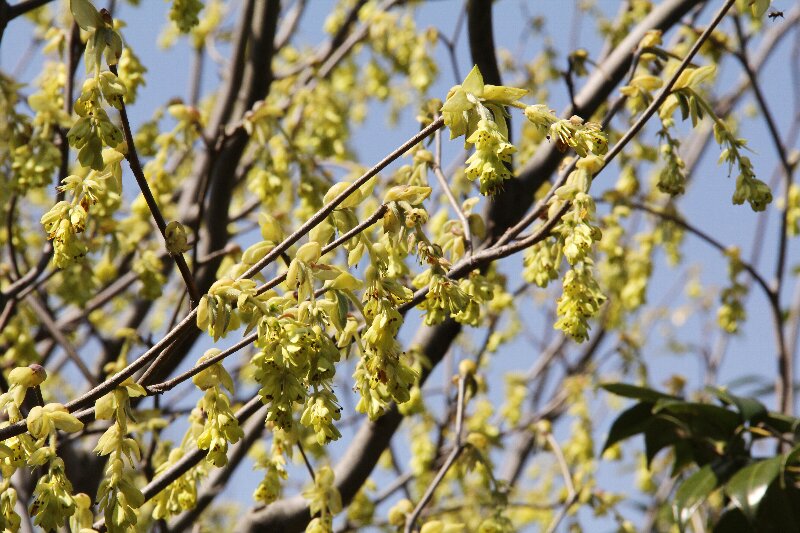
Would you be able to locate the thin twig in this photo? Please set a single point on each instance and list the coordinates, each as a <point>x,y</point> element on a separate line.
<point>785,383</point>
<point>138,173</point>
<point>165,386</point>
<point>572,494</point>
<point>458,447</point>
<point>437,170</point>
<point>309,466</point>
<point>705,237</point>
<point>44,316</point>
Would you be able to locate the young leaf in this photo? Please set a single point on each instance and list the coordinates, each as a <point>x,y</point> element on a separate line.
<point>630,422</point>
<point>747,486</point>
<point>635,392</point>
<point>692,493</point>
<point>749,408</point>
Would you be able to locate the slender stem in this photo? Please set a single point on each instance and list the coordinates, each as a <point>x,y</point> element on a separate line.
<point>12,252</point>
<point>138,173</point>
<point>572,494</point>
<point>309,466</point>
<point>779,148</point>
<point>165,386</point>
<point>196,77</point>
<point>458,447</point>
<point>44,316</point>
<point>437,170</point>
<point>708,239</point>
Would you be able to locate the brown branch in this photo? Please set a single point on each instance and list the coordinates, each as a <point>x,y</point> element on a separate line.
<point>572,494</point>
<point>215,168</point>
<point>45,317</point>
<point>138,173</point>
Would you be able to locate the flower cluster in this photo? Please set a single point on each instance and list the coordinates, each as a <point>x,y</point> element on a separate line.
<point>269,489</point>
<point>184,13</point>
<point>53,501</point>
<point>541,262</point>
<point>685,94</point>
<point>181,494</point>
<point>672,178</point>
<point>575,233</point>
<point>476,110</point>
<point>490,162</point>
<point>583,137</point>
<point>221,426</point>
<point>94,128</point>
<point>732,312</point>
<point>383,373</point>
<point>396,38</point>
<point>444,299</point>
<point>118,497</point>
<point>221,309</point>
<point>296,354</point>
<point>793,210</point>
<point>35,155</point>
<point>325,502</point>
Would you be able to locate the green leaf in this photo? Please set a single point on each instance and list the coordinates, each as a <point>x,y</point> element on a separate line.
<point>502,95</point>
<point>747,487</point>
<point>85,14</point>
<point>760,7</point>
<point>660,434</point>
<point>630,422</point>
<point>749,408</point>
<point>692,493</point>
<point>635,392</point>
<point>779,509</point>
<point>473,83</point>
<point>703,419</point>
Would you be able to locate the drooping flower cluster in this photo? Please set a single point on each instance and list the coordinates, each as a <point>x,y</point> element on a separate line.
<point>732,312</point>
<point>685,94</point>
<point>269,489</point>
<point>184,13</point>
<point>325,502</point>
<point>583,137</point>
<point>181,494</point>
<point>118,495</point>
<point>574,236</point>
<point>221,426</point>
<point>476,110</point>
<point>383,373</point>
